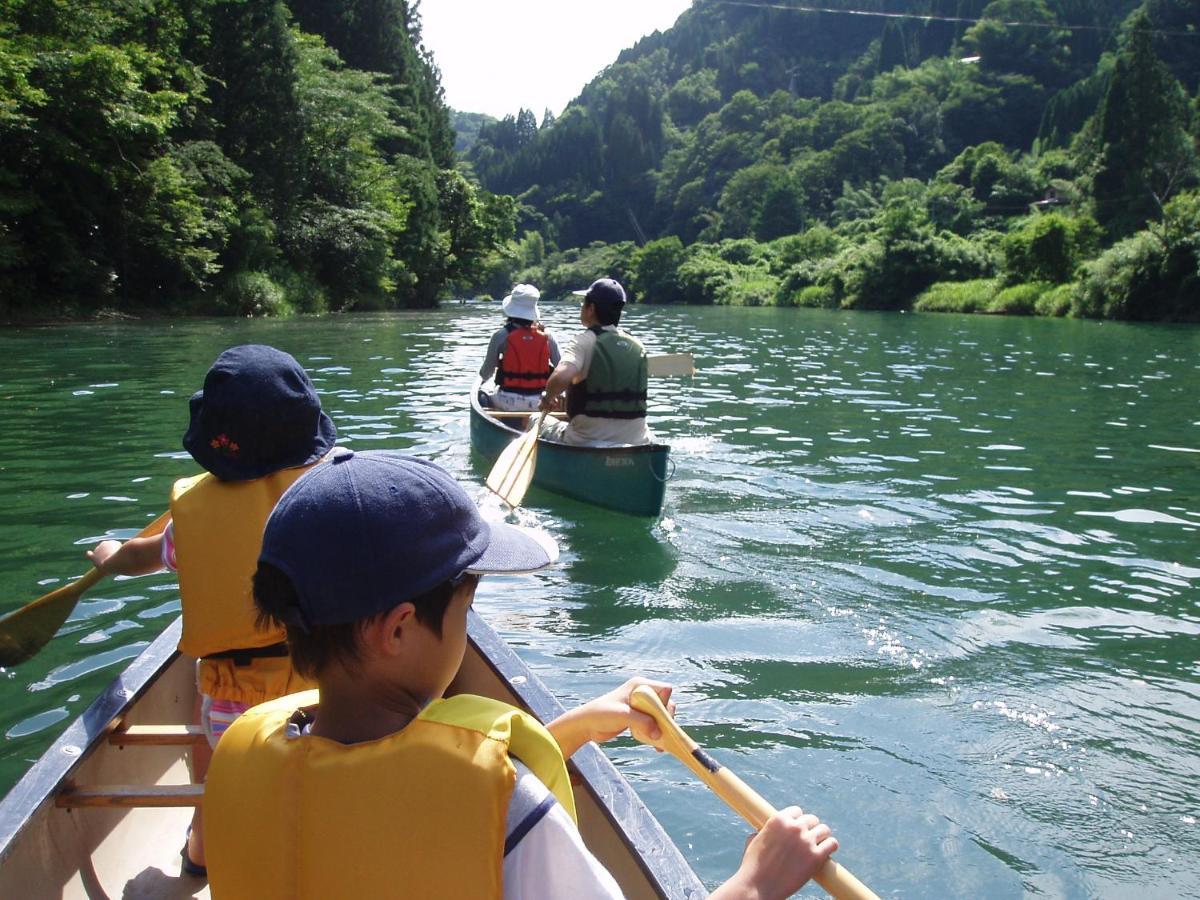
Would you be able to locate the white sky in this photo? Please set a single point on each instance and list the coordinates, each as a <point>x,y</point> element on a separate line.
<point>497,56</point>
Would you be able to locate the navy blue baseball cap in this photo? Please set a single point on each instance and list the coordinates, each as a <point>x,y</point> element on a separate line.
<point>257,413</point>
<point>603,292</point>
<point>366,531</point>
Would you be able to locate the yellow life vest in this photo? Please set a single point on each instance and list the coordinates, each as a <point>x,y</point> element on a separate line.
<point>218,528</point>
<point>419,813</point>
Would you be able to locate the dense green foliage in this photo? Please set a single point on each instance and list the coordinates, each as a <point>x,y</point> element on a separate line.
<point>234,156</point>
<point>759,154</point>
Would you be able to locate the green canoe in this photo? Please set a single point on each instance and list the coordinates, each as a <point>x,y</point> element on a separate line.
<point>629,478</point>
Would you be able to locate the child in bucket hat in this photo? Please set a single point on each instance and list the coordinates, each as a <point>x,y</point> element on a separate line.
<point>520,355</point>
<point>377,785</point>
<point>255,427</point>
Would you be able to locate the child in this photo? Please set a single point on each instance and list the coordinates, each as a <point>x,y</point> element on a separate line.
<point>521,353</point>
<point>379,788</point>
<point>256,427</point>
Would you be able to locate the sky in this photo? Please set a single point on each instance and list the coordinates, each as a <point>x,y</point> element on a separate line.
<point>497,56</point>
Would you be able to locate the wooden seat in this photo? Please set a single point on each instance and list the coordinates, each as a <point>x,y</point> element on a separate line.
<point>128,796</point>
<point>157,735</point>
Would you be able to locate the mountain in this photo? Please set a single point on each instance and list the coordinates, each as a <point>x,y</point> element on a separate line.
<point>759,121</point>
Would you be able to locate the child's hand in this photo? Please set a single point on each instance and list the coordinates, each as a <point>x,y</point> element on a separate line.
<point>100,554</point>
<point>609,715</point>
<point>786,853</point>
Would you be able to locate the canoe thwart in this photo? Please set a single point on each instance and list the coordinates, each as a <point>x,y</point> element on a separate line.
<point>157,736</point>
<point>503,414</point>
<point>128,796</point>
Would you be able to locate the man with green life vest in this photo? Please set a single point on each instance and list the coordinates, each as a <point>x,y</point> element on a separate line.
<point>603,376</point>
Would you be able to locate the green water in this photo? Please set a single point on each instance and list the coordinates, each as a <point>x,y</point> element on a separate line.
<point>933,577</point>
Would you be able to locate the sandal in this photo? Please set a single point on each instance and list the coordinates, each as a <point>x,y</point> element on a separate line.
<point>187,866</point>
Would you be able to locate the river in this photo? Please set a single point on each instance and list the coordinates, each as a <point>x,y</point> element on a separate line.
<point>933,577</point>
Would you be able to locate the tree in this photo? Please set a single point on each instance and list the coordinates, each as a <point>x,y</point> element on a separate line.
<point>1146,152</point>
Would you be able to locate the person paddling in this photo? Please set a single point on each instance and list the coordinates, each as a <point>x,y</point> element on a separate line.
<point>256,426</point>
<point>377,786</point>
<point>603,376</point>
<point>521,354</point>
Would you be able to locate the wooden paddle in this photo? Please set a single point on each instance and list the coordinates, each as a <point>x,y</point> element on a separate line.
<point>27,630</point>
<point>513,471</point>
<point>670,364</point>
<point>742,798</point>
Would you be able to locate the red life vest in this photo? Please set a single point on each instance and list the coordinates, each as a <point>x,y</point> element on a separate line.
<point>524,362</point>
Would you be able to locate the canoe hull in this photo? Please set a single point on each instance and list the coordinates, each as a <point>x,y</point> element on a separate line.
<point>47,851</point>
<point>628,479</point>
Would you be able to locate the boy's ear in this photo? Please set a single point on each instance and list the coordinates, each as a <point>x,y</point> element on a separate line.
<point>385,634</point>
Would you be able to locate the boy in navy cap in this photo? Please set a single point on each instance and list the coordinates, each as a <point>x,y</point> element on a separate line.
<point>256,426</point>
<point>379,787</point>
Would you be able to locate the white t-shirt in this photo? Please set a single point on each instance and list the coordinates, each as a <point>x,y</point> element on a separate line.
<point>544,854</point>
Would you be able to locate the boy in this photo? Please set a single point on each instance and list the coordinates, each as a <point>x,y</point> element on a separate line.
<point>256,426</point>
<point>380,788</point>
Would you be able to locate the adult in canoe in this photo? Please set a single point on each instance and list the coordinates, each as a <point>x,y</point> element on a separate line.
<point>256,426</point>
<point>603,376</point>
<point>521,354</point>
<point>378,786</point>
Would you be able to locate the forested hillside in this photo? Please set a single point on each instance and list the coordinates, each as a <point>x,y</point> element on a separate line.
<point>1005,156</point>
<point>237,156</point>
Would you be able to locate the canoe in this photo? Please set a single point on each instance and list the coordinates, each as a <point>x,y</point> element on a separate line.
<point>103,812</point>
<point>630,478</point>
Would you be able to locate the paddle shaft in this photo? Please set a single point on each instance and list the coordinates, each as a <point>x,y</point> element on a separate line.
<point>741,798</point>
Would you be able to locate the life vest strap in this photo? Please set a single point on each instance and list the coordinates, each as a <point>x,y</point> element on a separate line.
<point>246,655</point>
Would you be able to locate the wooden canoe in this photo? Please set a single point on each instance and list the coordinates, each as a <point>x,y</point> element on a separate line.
<point>103,812</point>
<point>629,478</point>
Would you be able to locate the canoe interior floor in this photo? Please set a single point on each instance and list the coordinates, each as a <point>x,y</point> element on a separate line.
<point>140,858</point>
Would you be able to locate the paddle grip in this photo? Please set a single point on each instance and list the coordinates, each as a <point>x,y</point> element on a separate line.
<point>740,797</point>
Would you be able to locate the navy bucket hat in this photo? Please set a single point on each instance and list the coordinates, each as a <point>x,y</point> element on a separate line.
<point>257,413</point>
<point>367,531</point>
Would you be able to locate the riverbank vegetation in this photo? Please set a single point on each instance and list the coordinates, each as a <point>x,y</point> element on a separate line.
<point>228,156</point>
<point>1013,156</point>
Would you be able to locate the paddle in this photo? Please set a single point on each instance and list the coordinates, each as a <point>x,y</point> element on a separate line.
<point>743,799</point>
<point>27,630</point>
<point>513,471</point>
<point>670,364</point>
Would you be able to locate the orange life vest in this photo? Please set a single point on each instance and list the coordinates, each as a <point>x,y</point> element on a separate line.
<point>524,363</point>
<point>418,813</point>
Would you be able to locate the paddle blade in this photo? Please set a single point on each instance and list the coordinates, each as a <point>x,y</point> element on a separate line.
<point>513,471</point>
<point>27,630</point>
<point>671,364</point>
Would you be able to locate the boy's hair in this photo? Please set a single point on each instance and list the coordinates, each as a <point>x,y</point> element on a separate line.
<point>314,649</point>
<point>606,313</point>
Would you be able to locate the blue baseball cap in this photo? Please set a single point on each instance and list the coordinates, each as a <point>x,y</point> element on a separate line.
<point>603,292</point>
<point>366,531</point>
<point>257,413</point>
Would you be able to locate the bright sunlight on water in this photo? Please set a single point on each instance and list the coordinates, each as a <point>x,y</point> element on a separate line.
<point>933,577</point>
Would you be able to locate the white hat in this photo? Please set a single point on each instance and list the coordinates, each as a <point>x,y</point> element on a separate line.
<point>522,303</point>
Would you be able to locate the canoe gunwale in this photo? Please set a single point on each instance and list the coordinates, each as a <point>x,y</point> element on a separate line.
<point>642,831</point>
<point>46,777</point>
